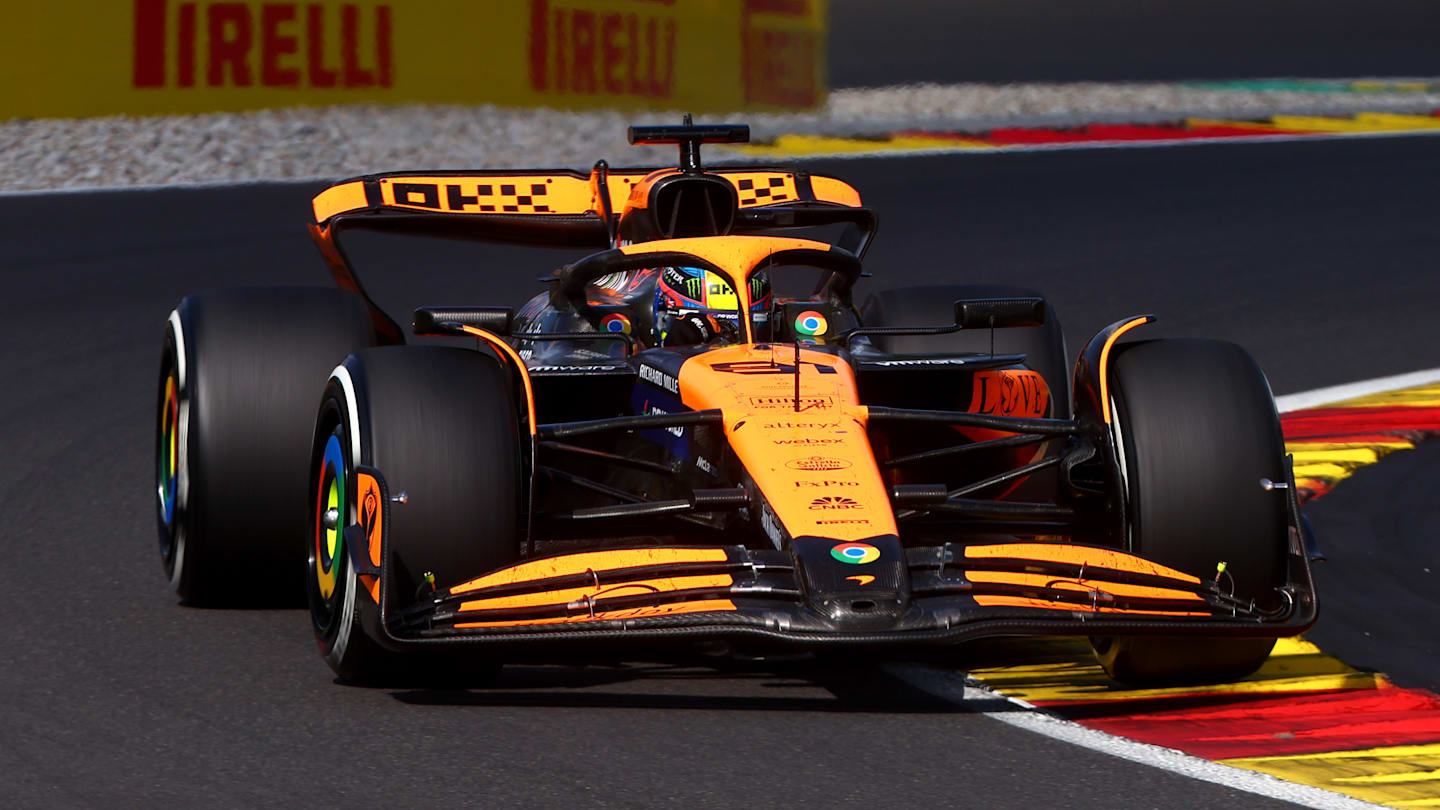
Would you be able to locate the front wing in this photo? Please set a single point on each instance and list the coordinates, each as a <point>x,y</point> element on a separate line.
<point>955,592</point>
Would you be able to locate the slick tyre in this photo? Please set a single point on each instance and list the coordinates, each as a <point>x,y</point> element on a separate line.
<point>1043,346</point>
<point>1196,429</point>
<point>441,426</point>
<point>239,375</point>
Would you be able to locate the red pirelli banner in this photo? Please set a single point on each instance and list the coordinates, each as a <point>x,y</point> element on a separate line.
<point>103,57</point>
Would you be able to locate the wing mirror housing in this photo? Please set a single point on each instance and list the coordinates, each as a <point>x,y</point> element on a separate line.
<point>999,313</point>
<point>438,321</point>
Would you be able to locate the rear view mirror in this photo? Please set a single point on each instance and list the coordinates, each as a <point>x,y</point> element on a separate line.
<point>999,313</point>
<point>433,320</point>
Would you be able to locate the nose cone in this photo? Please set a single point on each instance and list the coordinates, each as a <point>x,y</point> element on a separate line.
<point>856,585</point>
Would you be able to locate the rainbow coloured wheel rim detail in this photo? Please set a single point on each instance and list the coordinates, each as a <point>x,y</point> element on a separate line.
<point>167,459</point>
<point>330,494</point>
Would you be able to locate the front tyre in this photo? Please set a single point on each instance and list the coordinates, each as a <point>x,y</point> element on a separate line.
<point>1194,423</point>
<point>441,425</point>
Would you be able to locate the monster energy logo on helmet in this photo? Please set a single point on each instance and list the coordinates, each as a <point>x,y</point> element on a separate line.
<point>687,282</point>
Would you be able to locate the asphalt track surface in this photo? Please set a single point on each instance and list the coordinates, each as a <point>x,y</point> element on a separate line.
<point>1317,255</point>
<point>875,44</point>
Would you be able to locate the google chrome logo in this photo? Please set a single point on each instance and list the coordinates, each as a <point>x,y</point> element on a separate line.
<point>855,553</point>
<point>811,322</point>
<point>615,322</point>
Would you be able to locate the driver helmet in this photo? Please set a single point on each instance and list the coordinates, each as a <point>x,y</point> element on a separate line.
<point>696,306</point>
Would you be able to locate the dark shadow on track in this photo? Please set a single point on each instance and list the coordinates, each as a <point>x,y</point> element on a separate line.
<point>854,688</point>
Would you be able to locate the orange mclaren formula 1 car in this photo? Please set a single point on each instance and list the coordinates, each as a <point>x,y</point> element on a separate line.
<point>695,437</point>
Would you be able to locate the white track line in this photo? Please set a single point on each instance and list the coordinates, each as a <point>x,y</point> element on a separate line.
<point>954,687</point>
<point>1337,393</point>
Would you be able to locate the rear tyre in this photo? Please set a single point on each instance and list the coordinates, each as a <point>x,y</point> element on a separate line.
<point>239,374</point>
<point>1043,346</point>
<point>1196,427</point>
<point>441,425</point>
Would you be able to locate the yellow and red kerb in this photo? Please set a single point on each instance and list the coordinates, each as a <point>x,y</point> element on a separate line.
<point>1304,716</point>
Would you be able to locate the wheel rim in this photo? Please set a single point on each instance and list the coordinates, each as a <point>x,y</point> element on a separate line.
<point>169,468</point>
<point>167,454</point>
<point>328,545</point>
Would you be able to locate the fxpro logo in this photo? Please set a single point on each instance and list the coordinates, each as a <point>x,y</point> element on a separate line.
<point>294,45</point>
<point>829,482</point>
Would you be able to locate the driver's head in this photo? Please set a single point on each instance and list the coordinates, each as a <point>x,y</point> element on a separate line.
<point>695,306</point>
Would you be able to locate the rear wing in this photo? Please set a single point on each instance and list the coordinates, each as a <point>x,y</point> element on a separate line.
<point>566,208</point>
<point>561,206</point>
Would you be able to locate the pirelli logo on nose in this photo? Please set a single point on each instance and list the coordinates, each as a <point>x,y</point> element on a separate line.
<point>469,195</point>
<point>763,189</point>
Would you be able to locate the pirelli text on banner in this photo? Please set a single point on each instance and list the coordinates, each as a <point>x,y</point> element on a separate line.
<point>290,45</point>
<point>183,56</point>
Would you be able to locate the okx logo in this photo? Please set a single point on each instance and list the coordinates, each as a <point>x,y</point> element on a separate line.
<point>834,502</point>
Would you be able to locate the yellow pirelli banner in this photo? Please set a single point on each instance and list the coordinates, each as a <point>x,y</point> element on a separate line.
<point>105,57</point>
